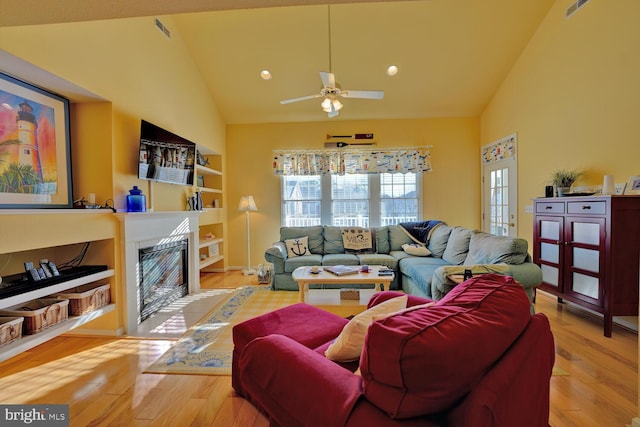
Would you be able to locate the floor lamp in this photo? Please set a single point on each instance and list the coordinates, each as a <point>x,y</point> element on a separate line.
<point>248,205</point>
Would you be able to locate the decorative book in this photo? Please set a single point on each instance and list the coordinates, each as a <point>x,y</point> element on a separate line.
<point>341,270</point>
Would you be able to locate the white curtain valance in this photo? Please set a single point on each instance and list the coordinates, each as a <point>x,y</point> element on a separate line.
<point>321,162</point>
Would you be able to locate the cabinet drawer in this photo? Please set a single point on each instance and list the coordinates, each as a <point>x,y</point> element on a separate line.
<point>594,208</point>
<point>550,207</point>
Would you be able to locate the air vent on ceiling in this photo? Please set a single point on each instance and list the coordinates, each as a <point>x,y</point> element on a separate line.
<point>162,28</point>
<point>574,7</point>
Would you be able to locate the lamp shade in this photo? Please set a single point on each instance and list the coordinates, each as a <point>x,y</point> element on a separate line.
<point>247,204</point>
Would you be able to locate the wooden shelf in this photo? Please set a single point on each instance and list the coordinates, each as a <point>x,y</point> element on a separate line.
<point>203,170</point>
<point>211,260</point>
<point>29,341</point>
<point>57,288</point>
<point>208,190</point>
<point>205,243</point>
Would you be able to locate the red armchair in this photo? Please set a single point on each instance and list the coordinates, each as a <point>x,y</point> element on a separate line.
<point>475,358</point>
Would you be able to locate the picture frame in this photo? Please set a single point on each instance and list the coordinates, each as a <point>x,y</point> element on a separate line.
<point>633,185</point>
<point>35,147</point>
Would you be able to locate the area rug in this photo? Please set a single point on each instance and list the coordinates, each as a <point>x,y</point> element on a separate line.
<point>559,372</point>
<point>207,346</point>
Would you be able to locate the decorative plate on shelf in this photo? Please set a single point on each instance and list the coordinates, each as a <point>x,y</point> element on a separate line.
<point>582,193</point>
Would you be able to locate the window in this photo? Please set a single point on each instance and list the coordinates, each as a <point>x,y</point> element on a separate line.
<point>365,200</point>
<point>350,200</point>
<point>398,198</point>
<point>301,200</point>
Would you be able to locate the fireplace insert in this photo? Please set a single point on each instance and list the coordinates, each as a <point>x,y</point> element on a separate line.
<point>163,273</point>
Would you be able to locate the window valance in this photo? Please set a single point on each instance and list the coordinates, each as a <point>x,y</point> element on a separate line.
<point>370,161</point>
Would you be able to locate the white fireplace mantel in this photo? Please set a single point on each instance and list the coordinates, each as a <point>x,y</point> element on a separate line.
<point>146,229</point>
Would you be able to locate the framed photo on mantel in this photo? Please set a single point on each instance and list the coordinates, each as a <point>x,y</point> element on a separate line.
<point>35,158</point>
<point>633,186</point>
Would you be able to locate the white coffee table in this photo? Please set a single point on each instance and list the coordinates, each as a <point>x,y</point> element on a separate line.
<point>304,277</point>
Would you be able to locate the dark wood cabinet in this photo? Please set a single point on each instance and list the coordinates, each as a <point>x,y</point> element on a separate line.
<point>588,250</point>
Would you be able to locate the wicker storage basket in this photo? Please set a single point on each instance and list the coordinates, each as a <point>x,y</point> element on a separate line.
<point>86,298</point>
<point>10,329</point>
<point>350,294</point>
<point>39,314</point>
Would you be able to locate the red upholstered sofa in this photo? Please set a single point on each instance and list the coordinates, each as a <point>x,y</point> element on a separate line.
<point>475,358</point>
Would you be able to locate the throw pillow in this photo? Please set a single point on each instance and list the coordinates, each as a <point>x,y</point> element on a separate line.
<point>416,249</point>
<point>457,245</point>
<point>406,310</point>
<point>297,247</point>
<point>358,240</point>
<point>348,346</point>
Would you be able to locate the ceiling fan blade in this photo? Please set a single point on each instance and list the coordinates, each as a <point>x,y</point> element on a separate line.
<point>333,113</point>
<point>302,98</point>
<point>328,79</point>
<point>365,94</point>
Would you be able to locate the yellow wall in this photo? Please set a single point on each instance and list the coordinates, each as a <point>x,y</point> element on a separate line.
<point>573,98</point>
<point>451,191</point>
<point>142,74</point>
<point>135,73</point>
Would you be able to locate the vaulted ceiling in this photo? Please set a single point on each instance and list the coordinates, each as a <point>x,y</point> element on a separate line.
<point>452,55</point>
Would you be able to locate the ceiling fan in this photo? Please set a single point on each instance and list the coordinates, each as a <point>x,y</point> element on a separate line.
<point>330,92</point>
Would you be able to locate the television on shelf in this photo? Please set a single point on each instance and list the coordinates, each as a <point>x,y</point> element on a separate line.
<point>165,156</point>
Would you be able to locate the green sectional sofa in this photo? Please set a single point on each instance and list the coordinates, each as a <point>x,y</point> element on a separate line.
<point>453,249</point>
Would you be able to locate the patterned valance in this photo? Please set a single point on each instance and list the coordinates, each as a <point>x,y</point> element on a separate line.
<point>321,162</point>
<point>500,149</point>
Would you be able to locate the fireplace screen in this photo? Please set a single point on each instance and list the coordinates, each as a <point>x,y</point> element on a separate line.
<point>163,276</point>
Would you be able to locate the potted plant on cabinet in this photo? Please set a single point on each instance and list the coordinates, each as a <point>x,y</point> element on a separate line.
<point>563,179</point>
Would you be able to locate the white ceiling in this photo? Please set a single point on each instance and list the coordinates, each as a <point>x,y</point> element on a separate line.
<point>452,54</point>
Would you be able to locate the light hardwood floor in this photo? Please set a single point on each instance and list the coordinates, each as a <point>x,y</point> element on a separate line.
<point>101,379</point>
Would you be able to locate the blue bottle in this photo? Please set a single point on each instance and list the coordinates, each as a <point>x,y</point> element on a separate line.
<point>136,202</point>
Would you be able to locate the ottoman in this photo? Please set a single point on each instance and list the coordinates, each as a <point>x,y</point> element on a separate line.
<point>306,324</point>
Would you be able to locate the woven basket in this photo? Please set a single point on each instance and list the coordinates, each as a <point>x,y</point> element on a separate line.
<point>39,314</point>
<point>349,294</point>
<point>10,329</point>
<point>86,298</point>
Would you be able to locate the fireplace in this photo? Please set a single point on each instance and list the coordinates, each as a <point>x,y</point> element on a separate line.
<point>163,271</point>
<point>160,261</point>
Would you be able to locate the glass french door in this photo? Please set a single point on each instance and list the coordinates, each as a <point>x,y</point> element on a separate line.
<point>500,207</point>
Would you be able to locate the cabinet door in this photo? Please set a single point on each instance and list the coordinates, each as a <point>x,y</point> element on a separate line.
<point>547,251</point>
<point>584,256</point>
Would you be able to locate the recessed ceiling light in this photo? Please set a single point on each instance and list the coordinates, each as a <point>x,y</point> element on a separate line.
<point>392,70</point>
<point>265,74</point>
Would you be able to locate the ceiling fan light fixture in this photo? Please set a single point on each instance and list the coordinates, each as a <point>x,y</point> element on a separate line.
<point>265,75</point>
<point>392,70</point>
<point>326,105</point>
<point>336,105</point>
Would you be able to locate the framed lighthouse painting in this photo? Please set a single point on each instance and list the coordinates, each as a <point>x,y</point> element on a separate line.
<point>35,158</point>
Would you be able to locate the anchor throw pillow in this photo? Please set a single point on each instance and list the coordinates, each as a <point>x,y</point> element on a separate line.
<point>297,247</point>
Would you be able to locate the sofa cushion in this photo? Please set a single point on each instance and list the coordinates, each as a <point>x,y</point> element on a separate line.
<point>397,238</point>
<point>378,259</point>
<point>438,240</point>
<point>457,245</point>
<point>333,240</point>
<point>292,263</point>
<point>340,259</point>
<point>486,248</point>
<point>314,233</point>
<point>424,361</point>
<point>421,271</point>
<point>382,237</point>
<point>348,345</point>
<point>297,247</point>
